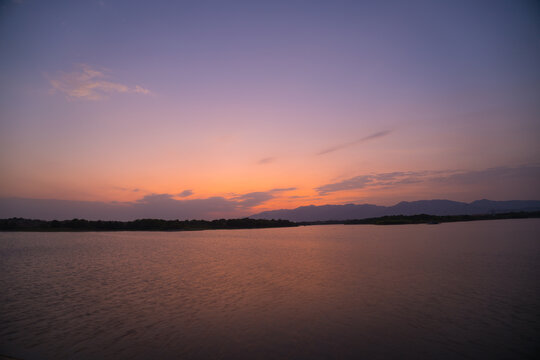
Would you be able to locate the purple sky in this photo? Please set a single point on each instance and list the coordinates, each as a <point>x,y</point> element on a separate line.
<point>226,108</point>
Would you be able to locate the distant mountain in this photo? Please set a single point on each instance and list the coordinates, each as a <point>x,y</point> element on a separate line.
<point>430,207</point>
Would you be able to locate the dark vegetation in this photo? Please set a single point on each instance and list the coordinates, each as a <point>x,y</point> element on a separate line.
<point>427,219</point>
<point>20,224</point>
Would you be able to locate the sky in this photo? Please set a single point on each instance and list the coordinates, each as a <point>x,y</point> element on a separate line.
<point>209,109</point>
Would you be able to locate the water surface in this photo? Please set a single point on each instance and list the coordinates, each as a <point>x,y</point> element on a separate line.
<point>462,290</point>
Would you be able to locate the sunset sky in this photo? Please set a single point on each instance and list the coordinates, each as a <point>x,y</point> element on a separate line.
<point>205,109</point>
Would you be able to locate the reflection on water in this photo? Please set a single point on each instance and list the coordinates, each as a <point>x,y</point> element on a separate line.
<point>464,290</point>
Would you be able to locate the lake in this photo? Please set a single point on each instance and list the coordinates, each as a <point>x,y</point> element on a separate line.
<point>447,291</point>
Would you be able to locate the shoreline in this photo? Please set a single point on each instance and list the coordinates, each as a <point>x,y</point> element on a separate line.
<point>80,225</point>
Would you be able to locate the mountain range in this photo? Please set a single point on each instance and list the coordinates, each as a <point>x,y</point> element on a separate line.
<point>430,207</point>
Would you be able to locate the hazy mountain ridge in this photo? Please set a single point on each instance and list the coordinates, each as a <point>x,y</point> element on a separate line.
<point>430,207</point>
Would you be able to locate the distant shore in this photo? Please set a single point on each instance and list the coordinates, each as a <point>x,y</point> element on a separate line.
<point>21,224</point>
<point>426,219</point>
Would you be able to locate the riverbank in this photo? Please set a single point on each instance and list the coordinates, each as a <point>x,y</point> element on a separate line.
<point>21,224</point>
<point>428,219</point>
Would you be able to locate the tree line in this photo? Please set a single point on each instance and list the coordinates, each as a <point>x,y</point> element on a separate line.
<point>427,219</point>
<point>21,224</point>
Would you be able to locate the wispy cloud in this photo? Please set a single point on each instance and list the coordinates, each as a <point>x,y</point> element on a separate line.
<point>253,199</point>
<point>373,180</point>
<point>163,206</point>
<point>266,160</point>
<point>185,193</point>
<point>88,83</point>
<point>456,177</point>
<point>126,189</point>
<point>499,173</point>
<point>283,189</point>
<point>257,198</point>
<point>351,143</point>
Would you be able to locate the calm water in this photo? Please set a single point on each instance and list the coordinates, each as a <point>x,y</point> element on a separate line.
<point>464,290</point>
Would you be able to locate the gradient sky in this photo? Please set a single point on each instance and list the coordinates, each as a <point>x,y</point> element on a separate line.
<point>227,108</point>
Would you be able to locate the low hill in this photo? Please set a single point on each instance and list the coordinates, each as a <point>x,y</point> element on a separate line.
<point>430,207</point>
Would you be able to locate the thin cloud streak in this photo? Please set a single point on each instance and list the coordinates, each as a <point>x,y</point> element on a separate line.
<point>267,160</point>
<point>89,84</point>
<point>259,197</point>
<point>351,143</point>
<point>454,177</point>
<point>283,189</point>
